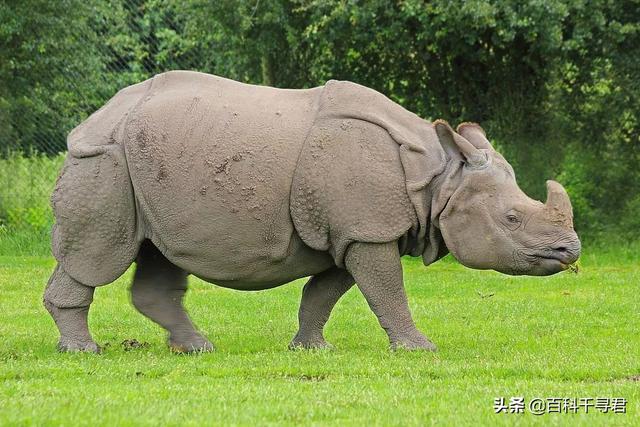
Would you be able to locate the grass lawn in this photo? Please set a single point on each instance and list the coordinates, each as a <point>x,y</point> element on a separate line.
<point>563,336</point>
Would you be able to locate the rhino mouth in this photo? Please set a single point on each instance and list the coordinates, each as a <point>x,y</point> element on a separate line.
<point>545,259</point>
<point>561,254</point>
<point>543,263</point>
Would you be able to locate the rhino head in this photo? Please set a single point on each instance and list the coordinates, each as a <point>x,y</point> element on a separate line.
<point>488,222</point>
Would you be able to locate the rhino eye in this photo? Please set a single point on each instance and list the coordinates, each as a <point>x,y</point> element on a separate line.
<point>513,219</point>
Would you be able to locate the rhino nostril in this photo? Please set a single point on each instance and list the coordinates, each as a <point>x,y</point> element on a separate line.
<point>566,254</point>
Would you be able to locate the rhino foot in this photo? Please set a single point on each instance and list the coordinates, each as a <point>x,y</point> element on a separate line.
<point>196,343</point>
<point>413,342</point>
<point>66,345</point>
<point>302,343</point>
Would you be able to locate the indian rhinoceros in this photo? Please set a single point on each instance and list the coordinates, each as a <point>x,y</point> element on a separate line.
<point>251,187</point>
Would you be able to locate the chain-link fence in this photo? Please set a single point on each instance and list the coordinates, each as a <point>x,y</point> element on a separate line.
<point>63,60</point>
<point>555,88</point>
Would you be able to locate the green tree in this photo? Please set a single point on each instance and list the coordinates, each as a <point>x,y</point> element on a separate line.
<point>556,83</point>
<point>43,63</point>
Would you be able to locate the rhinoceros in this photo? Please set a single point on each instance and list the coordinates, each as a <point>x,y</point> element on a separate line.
<point>250,187</point>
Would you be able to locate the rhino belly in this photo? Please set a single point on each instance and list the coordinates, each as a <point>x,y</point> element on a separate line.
<point>300,261</point>
<point>211,162</point>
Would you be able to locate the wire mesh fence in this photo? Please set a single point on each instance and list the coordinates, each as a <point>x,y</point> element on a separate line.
<point>528,74</point>
<point>64,60</point>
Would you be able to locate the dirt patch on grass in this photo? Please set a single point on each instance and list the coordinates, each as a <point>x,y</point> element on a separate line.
<point>133,344</point>
<point>305,377</point>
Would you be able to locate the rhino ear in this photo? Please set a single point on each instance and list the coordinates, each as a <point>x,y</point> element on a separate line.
<point>456,145</point>
<point>473,133</point>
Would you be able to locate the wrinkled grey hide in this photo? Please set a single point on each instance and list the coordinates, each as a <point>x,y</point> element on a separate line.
<point>250,187</point>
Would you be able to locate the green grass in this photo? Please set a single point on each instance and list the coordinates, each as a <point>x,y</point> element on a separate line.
<point>26,183</point>
<point>561,336</point>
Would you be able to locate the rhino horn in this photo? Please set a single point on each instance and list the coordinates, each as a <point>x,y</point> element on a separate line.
<point>558,203</point>
<point>474,134</point>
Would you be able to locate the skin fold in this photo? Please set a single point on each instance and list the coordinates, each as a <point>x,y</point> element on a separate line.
<point>251,187</point>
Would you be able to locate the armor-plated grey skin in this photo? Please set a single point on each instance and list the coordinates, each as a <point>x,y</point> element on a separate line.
<point>251,187</point>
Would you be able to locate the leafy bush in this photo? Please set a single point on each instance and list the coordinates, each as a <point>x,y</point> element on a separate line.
<point>555,83</point>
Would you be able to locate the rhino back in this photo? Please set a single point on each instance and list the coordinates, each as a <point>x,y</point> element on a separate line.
<point>211,162</point>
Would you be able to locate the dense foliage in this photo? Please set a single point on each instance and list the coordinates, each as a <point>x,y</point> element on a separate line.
<point>556,84</point>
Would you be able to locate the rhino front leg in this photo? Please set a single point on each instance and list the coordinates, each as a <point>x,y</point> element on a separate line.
<point>377,269</point>
<point>157,291</point>
<point>68,301</point>
<point>319,296</point>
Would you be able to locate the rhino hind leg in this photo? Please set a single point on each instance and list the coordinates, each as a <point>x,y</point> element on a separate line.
<point>157,292</point>
<point>68,301</point>
<point>95,237</point>
<point>319,296</point>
